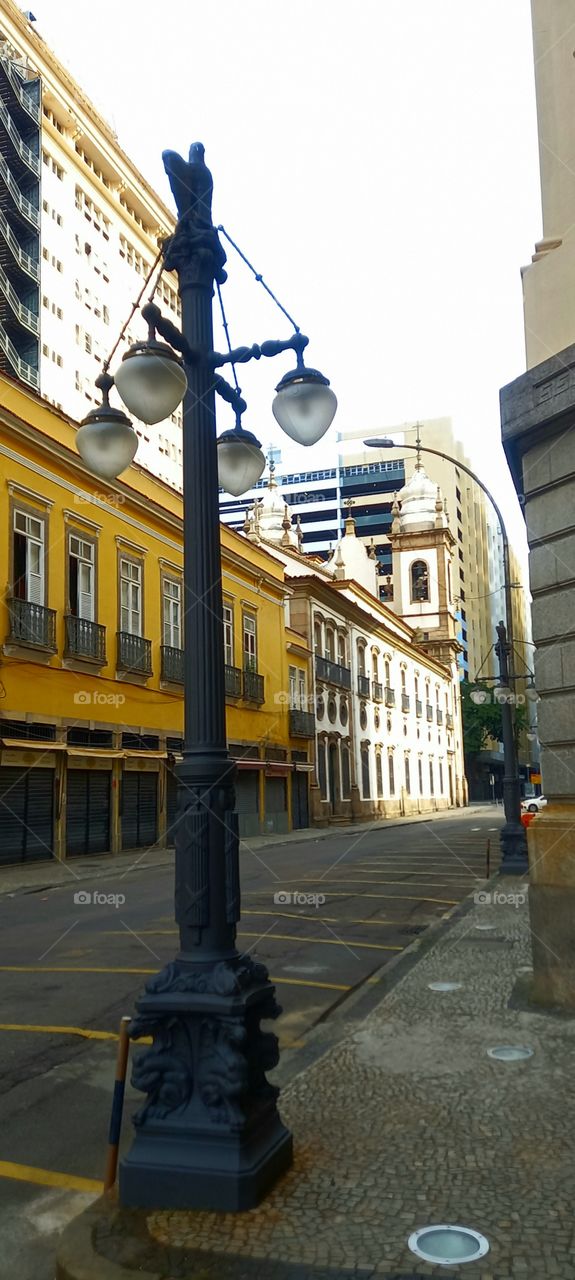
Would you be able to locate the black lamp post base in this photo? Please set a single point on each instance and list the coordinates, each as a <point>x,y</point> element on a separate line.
<point>514,855</point>
<point>224,1174</point>
<point>209,1135</point>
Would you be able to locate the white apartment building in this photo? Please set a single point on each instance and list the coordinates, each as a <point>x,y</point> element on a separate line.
<point>79,231</point>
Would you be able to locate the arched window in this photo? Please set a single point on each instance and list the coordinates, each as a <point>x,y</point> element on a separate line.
<point>374,668</point>
<point>365,781</point>
<point>345,772</point>
<point>407,776</point>
<point>431,786</point>
<point>379,774</point>
<point>329,644</point>
<point>391,774</point>
<point>317,637</point>
<point>420,772</point>
<point>419,580</point>
<point>361,657</point>
<point>341,651</point>
<point>387,673</point>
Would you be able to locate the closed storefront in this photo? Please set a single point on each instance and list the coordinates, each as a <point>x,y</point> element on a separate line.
<point>26,814</point>
<point>87,811</point>
<point>299,800</point>
<point>247,790</point>
<point>139,808</point>
<point>276,804</point>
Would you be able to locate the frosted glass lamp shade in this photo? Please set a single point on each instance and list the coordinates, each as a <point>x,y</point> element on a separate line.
<point>240,461</point>
<point>151,381</point>
<point>305,405</point>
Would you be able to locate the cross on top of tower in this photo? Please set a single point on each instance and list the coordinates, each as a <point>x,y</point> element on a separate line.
<point>349,503</point>
<point>418,462</point>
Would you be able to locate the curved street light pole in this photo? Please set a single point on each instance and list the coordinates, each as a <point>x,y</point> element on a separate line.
<point>514,860</point>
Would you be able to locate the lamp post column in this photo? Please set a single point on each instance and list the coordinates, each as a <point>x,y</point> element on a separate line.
<point>514,860</point>
<point>209,1135</point>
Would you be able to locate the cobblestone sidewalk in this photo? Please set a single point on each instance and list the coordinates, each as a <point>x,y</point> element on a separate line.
<point>406,1122</point>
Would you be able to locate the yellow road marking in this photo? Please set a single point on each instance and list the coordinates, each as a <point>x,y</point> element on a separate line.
<point>67,1031</point>
<point>389,897</point>
<point>48,1178</point>
<point>29,968</point>
<point>281,937</point>
<point>349,880</point>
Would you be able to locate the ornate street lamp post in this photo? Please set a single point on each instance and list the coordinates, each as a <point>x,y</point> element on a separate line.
<point>209,1134</point>
<point>514,860</point>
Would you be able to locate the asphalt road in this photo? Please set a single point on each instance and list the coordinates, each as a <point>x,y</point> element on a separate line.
<point>324,914</point>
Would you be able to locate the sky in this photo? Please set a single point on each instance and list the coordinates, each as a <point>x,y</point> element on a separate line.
<point>376,161</point>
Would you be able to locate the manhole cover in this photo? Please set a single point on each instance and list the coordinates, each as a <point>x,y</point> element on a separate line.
<point>445,986</point>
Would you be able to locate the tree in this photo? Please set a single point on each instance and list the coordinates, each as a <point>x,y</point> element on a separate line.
<point>482,721</point>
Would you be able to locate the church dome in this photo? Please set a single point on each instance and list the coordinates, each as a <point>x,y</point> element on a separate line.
<point>417,501</point>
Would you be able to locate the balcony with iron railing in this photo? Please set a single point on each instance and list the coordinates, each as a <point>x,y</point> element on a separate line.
<point>253,687</point>
<point>31,624</point>
<point>449,720</point>
<point>389,696</point>
<point>377,691</point>
<point>22,205</point>
<point>233,679</point>
<point>85,639</point>
<point>25,371</point>
<point>439,715</point>
<point>21,149</point>
<point>23,98</point>
<point>332,672</point>
<point>429,712</point>
<point>20,258</point>
<point>363,686</point>
<point>405,702</point>
<point>418,708</point>
<point>301,723</point>
<point>20,312</point>
<point>172,663</point>
<point>134,654</point>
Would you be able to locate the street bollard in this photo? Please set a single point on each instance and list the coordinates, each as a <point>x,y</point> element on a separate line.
<point>117,1105</point>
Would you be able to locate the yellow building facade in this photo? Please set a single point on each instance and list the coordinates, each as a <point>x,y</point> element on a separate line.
<point>93,642</point>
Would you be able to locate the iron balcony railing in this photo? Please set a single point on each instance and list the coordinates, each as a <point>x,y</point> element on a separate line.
<point>27,264</point>
<point>26,372</point>
<point>233,678</point>
<point>429,711</point>
<point>26,317</point>
<point>25,207</point>
<point>85,639</point>
<point>32,624</point>
<point>439,716</point>
<point>389,696</point>
<point>26,101</point>
<point>405,702</point>
<point>134,653</point>
<point>253,687</point>
<point>377,691</point>
<point>301,723</point>
<point>449,720</point>
<point>333,672</point>
<point>26,155</point>
<point>418,707</point>
<point>363,686</point>
<point>172,663</point>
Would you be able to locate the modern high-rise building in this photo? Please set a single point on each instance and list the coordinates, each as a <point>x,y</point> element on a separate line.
<point>79,231</point>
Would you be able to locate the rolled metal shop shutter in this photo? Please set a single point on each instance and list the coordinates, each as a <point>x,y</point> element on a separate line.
<point>139,809</point>
<point>88,811</point>
<point>26,814</point>
<point>247,802</point>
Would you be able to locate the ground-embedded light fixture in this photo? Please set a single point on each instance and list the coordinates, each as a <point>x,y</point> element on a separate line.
<point>445,986</point>
<point>484,928</point>
<point>510,1052</point>
<point>446,1245</point>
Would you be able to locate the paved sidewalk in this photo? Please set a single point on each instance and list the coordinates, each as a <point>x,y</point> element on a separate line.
<point>34,876</point>
<point>405,1122</point>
